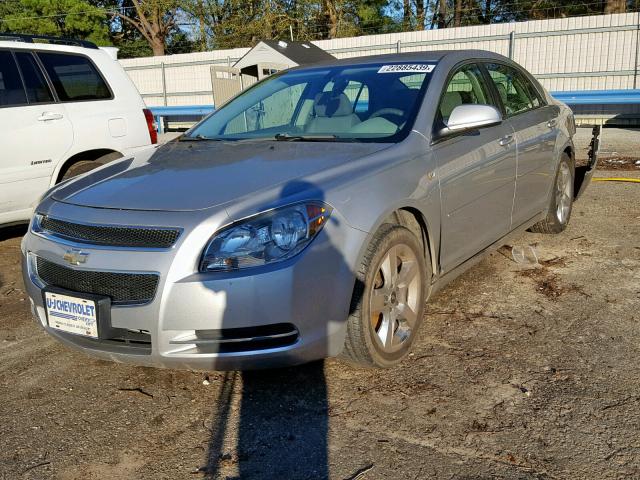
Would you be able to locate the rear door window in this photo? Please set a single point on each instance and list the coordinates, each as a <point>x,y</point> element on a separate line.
<point>37,89</point>
<point>74,77</point>
<point>11,89</point>
<point>515,91</point>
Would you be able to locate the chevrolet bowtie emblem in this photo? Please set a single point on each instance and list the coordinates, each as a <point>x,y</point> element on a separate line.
<point>75,257</point>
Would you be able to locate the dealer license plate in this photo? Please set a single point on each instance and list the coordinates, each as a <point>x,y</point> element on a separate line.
<point>72,314</point>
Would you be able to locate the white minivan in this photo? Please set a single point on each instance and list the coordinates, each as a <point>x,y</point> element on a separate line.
<point>66,107</point>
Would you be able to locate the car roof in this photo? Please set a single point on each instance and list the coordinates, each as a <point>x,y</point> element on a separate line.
<point>424,56</point>
<point>52,47</point>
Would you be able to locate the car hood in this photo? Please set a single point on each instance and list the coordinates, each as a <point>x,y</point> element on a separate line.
<point>187,176</point>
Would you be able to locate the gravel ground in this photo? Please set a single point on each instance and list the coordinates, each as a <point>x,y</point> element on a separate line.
<point>519,372</point>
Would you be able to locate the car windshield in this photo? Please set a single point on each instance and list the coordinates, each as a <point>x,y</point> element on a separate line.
<point>374,102</point>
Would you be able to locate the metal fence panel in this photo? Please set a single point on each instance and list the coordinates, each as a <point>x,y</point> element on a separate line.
<point>583,53</point>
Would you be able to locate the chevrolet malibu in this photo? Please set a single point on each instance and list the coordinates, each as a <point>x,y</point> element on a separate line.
<point>311,216</point>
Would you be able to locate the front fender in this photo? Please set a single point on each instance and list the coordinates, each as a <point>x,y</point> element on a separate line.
<point>411,185</point>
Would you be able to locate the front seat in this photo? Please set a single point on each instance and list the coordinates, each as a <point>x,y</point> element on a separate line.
<point>333,113</point>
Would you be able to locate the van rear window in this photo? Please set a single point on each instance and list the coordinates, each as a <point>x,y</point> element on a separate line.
<point>74,77</point>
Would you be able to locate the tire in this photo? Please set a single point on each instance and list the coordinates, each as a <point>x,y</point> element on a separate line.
<point>83,166</point>
<point>378,302</point>
<point>561,202</point>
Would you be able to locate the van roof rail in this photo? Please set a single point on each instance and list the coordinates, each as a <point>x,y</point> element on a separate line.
<point>19,37</point>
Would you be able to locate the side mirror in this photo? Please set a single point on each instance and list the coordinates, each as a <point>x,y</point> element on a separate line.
<point>471,117</point>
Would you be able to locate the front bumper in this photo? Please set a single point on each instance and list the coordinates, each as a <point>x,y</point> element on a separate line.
<point>312,292</point>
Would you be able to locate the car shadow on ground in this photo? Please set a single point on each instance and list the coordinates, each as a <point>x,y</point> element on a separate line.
<point>283,424</point>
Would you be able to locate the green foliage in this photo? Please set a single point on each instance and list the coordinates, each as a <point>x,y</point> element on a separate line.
<point>180,42</point>
<point>66,18</point>
<point>132,47</point>
<point>234,23</point>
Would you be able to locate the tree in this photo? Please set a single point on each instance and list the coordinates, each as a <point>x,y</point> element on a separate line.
<point>457,13</point>
<point>235,23</point>
<point>62,18</point>
<point>331,12</point>
<point>154,19</point>
<point>407,15</point>
<point>615,6</point>
<point>145,27</point>
<point>420,14</point>
<point>440,16</point>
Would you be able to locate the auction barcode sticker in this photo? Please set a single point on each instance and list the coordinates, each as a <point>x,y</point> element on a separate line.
<point>408,68</point>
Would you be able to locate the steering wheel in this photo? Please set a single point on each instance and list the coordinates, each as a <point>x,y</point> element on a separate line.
<point>394,115</point>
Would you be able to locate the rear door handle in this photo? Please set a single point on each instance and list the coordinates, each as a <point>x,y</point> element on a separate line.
<point>46,116</point>
<point>552,123</point>
<point>504,141</point>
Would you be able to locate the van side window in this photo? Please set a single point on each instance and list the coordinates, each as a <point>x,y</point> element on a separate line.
<point>74,77</point>
<point>514,89</point>
<point>11,89</point>
<point>465,87</point>
<point>36,86</point>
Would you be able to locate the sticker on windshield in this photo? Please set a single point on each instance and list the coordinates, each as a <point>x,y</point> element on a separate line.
<point>408,68</point>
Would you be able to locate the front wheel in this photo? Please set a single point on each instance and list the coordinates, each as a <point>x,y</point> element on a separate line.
<point>388,301</point>
<point>561,204</point>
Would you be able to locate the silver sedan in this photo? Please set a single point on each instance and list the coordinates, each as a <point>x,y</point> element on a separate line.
<point>311,216</point>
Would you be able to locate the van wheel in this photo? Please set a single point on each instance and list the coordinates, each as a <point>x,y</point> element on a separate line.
<point>83,166</point>
<point>388,300</point>
<point>561,199</point>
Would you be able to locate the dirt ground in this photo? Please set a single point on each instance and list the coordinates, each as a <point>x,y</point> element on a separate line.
<point>519,372</point>
<point>619,148</point>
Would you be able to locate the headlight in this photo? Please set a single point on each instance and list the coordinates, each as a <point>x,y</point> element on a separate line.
<point>266,238</point>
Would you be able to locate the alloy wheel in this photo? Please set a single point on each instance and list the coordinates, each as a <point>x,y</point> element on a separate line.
<point>394,298</point>
<point>564,192</point>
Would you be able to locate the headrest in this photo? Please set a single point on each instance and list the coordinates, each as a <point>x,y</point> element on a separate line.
<point>450,100</point>
<point>328,104</point>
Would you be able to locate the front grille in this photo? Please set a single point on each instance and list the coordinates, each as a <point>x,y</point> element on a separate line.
<point>122,288</point>
<point>121,341</point>
<point>117,236</point>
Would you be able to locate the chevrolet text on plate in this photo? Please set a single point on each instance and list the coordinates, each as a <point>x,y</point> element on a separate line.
<point>311,216</point>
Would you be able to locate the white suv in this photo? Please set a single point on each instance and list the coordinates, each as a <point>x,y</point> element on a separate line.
<point>65,107</point>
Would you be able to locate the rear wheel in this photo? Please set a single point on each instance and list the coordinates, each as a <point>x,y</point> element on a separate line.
<point>561,204</point>
<point>83,166</point>
<point>388,302</point>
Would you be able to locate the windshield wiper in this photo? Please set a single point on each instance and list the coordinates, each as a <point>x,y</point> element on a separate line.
<point>285,137</point>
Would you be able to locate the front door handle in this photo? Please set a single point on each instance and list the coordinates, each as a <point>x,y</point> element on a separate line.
<point>505,141</point>
<point>552,123</point>
<point>46,116</point>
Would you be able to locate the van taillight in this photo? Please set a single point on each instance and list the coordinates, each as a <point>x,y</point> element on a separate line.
<point>151,125</point>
